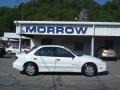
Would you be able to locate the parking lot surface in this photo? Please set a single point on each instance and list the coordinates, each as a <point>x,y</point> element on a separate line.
<point>11,79</point>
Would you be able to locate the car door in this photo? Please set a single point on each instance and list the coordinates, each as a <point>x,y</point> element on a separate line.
<point>45,59</point>
<point>15,49</point>
<point>65,61</point>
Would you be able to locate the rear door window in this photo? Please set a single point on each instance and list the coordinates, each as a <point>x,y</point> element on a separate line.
<point>45,51</point>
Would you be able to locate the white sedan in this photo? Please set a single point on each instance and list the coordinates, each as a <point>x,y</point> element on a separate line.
<point>54,58</point>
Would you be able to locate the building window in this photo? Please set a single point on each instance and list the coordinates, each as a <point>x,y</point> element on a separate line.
<point>109,44</point>
<point>78,46</point>
<point>46,41</point>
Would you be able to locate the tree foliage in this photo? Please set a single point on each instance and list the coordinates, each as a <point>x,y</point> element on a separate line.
<point>58,10</point>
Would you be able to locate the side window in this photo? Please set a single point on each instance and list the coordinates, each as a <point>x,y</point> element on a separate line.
<point>45,51</point>
<point>60,52</point>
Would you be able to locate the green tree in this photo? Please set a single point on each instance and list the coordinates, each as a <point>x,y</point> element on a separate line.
<point>58,10</point>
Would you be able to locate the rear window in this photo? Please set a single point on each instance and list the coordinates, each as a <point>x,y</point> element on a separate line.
<point>33,48</point>
<point>45,51</point>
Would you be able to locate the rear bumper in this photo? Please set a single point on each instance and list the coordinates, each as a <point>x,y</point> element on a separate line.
<point>109,56</point>
<point>18,66</point>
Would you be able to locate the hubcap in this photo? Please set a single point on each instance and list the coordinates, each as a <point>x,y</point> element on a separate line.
<point>30,70</point>
<point>89,70</point>
<point>9,52</point>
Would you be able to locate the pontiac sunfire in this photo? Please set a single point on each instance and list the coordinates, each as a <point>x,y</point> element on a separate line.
<point>54,58</point>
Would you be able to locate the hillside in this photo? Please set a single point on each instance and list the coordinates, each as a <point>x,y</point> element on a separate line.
<point>58,10</point>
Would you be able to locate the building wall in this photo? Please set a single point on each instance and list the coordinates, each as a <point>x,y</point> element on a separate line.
<point>68,33</point>
<point>107,30</point>
<point>68,28</point>
<point>67,41</point>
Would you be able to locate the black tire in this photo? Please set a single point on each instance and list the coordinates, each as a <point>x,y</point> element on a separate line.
<point>89,69</point>
<point>30,69</point>
<point>1,55</point>
<point>8,52</point>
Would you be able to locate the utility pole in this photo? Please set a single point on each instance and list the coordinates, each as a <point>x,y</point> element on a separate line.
<point>22,13</point>
<point>20,39</point>
<point>83,15</point>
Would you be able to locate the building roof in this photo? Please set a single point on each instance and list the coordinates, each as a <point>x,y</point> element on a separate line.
<point>3,38</point>
<point>13,35</point>
<point>67,22</point>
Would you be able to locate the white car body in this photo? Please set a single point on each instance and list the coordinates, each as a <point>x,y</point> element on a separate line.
<point>56,63</point>
<point>16,50</point>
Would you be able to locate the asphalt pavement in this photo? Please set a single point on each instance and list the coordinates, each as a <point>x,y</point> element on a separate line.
<point>11,79</point>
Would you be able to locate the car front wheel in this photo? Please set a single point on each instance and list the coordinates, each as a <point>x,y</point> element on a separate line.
<point>30,69</point>
<point>1,55</point>
<point>89,70</point>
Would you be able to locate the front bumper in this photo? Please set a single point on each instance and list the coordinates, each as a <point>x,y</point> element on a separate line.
<point>18,66</point>
<point>102,68</point>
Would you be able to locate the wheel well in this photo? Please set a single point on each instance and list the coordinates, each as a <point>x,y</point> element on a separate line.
<point>31,63</point>
<point>89,63</point>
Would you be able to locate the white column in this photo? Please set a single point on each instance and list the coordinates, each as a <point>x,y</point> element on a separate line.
<point>20,38</point>
<point>92,46</point>
<point>20,43</point>
<point>32,44</point>
<point>93,41</point>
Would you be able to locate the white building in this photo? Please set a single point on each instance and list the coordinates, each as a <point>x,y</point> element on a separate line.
<point>84,37</point>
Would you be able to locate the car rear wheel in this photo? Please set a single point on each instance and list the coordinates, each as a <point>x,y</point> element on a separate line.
<point>30,69</point>
<point>89,70</point>
<point>8,52</point>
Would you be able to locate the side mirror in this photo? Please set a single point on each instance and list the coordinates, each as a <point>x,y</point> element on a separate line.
<point>73,56</point>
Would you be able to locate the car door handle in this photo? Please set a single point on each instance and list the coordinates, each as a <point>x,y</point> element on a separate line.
<point>35,58</point>
<point>57,59</point>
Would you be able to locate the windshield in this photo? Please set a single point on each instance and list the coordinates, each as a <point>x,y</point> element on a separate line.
<point>3,43</point>
<point>77,53</point>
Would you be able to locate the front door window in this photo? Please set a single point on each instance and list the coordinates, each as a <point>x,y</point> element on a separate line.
<point>60,52</point>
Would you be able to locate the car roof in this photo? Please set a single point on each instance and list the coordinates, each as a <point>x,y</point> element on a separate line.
<point>52,46</point>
